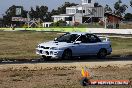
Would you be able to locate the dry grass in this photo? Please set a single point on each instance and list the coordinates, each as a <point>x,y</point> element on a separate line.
<point>122,46</point>
<point>126,25</point>
<point>21,45</point>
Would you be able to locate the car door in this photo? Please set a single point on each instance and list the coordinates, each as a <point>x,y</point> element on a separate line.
<point>77,46</point>
<point>93,44</point>
<point>78,49</point>
<point>81,48</point>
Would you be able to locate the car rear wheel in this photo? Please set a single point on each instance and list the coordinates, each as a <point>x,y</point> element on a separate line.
<point>102,54</point>
<point>67,54</point>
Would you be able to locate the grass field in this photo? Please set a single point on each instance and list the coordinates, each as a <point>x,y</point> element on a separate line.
<point>21,45</point>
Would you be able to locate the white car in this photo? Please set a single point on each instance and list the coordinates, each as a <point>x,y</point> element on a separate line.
<point>74,45</point>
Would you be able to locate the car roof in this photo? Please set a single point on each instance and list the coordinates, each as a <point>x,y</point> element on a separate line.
<point>79,33</point>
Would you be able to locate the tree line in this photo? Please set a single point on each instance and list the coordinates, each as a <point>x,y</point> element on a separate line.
<point>39,12</point>
<point>43,13</point>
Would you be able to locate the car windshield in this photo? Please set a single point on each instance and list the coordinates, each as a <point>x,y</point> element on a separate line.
<point>69,38</point>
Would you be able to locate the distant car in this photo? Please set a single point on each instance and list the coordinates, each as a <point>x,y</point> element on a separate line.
<point>74,45</point>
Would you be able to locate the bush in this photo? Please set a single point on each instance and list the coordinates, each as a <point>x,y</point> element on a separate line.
<point>76,24</point>
<point>59,23</point>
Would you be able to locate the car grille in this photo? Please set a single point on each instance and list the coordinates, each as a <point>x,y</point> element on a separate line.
<point>47,53</point>
<point>41,51</point>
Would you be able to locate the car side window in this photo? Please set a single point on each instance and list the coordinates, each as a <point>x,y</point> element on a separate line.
<point>89,39</point>
<point>83,39</point>
<point>93,39</point>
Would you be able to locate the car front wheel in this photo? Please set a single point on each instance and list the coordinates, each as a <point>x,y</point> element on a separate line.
<point>44,58</point>
<point>67,54</point>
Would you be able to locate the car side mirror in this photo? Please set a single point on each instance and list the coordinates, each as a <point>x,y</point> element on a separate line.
<point>77,42</point>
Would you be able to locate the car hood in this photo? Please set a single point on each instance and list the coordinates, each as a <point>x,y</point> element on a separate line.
<point>55,44</point>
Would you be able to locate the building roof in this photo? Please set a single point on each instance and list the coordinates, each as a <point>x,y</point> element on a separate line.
<point>112,14</point>
<point>77,6</point>
<point>47,22</point>
<point>85,5</point>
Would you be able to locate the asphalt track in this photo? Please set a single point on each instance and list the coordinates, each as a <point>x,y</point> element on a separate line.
<point>89,59</point>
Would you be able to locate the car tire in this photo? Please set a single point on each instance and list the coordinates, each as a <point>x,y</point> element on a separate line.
<point>102,54</point>
<point>44,58</point>
<point>67,54</point>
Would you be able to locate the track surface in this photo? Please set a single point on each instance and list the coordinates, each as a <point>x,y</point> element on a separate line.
<point>63,73</point>
<point>78,62</point>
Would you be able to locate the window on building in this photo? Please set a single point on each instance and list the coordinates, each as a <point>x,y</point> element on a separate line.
<point>67,10</point>
<point>79,11</point>
<point>85,1</point>
<point>83,11</point>
<point>71,11</point>
<point>68,18</point>
<point>89,1</point>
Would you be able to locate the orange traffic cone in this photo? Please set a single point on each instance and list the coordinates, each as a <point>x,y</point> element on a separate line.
<point>85,77</point>
<point>85,73</point>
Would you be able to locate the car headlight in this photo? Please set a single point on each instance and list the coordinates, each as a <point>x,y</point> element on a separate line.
<point>54,48</point>
<point>39,46</point>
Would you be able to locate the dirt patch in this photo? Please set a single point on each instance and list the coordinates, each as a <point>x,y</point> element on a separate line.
<point>60,76</point>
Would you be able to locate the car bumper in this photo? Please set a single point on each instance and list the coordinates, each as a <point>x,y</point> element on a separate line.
<point>49,53</point>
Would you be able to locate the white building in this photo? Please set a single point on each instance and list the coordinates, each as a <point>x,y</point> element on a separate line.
<point>46,24</point>
<point>82,13</point>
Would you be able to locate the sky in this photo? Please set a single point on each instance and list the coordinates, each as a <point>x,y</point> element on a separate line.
<point>52,4</point>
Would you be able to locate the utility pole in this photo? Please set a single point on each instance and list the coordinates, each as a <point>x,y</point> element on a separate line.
<point>105,19</point>
<point>28,18</point>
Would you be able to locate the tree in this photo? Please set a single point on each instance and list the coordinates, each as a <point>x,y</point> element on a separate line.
<point>97,5</point>
<point>107,8</point>
<point>120,8</point>
<point>40,12</point>
<point>43,12</point>
<point>128,17</point>
<point>11,12</point>
<point>32,13</point>
<point>24,13</point>
<point>54,12</point>
<point>48,17</point>
<point>59,23</point>
<point>131,3</point>
<point>62,9</point>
